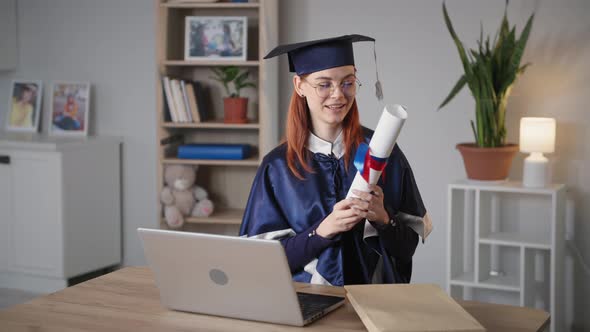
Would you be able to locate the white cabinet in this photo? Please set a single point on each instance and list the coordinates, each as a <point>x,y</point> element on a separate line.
<point>507,245</point>
<point>59,209</point>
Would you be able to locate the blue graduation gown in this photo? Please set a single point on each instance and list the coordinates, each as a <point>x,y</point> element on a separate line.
<point>283,207</point>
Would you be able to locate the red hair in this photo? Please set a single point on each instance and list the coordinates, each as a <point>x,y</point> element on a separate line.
<point>298,128</point>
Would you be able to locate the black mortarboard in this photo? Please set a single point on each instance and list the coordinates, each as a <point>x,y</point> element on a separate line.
<point>311,56</point>
<point>315,55</point>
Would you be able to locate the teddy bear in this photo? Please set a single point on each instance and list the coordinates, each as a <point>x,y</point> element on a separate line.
<point>181,197</point>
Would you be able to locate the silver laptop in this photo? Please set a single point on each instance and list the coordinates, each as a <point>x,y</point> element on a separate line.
<point>229,276</point>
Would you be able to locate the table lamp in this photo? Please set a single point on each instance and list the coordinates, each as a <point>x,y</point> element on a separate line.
<point>537,136</point>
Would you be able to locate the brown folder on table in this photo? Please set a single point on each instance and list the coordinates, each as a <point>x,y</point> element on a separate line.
<point>413,307</point>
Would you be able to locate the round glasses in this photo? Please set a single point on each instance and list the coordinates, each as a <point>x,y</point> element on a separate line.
<point>349,88</point>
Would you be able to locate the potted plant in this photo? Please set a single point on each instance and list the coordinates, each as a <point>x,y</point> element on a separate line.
<point>235,108</point>
<point>490,72</point>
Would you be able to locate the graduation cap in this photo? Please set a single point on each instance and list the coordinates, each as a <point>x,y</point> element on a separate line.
<point>311,56</point>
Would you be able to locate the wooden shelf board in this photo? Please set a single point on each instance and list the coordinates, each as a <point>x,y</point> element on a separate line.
<point>223,216</point>
<point>209,63</point>
<point>516,240</point>
<point>245,162</point>
<point>216,124</point>
<point>211,5</point>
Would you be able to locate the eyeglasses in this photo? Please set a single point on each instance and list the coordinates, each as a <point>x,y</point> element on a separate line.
<point>349,88</point>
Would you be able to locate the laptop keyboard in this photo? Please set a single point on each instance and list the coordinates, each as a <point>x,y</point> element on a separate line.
<point>314,304</point>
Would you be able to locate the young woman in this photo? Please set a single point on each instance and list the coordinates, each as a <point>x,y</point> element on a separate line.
<point>23,108</point>
<point>299,193</point>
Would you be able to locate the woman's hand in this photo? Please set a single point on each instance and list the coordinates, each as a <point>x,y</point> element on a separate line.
<point>371,203</point>
<point>343,218</point>
<point>349,212</point>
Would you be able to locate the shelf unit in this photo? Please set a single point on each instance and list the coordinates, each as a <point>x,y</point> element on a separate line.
<point>507,245</point>
<point>227,181</point>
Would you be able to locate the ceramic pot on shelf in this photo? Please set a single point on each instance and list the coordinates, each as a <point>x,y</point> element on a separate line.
<point>487,164</point>
<point>235,110</point>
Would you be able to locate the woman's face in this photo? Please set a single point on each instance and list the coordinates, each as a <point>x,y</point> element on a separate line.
<point>26,96</point>
<point>331,109</point>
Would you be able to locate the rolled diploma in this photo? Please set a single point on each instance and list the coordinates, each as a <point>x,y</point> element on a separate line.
<point>388,128</point>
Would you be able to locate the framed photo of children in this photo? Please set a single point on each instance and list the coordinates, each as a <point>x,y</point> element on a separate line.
<point>215,38</point>
<point>24,107</point>
<point>69,108</point>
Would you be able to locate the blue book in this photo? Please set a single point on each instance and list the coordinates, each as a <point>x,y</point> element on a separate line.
<point>214,151</point>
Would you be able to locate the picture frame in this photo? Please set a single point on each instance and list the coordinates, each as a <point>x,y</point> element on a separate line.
<point>70,102</point>
<point>24,106</point>
<point>216,38</point>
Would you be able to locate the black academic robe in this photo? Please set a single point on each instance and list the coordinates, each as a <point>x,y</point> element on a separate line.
<point>283,207</point>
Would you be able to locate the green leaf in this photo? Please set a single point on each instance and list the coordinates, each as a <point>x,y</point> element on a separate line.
<point>460,49</point>
<point>521,44</point>
<point>458,86</point>
<point>249,85</point>
<point>242,77</point>
<point>231,73</point>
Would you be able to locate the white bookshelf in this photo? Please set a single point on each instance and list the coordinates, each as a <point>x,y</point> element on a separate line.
<point>506,245</point>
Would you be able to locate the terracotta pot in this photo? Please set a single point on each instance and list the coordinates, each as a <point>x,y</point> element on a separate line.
<point>487,164</point>
<point>235,110</point>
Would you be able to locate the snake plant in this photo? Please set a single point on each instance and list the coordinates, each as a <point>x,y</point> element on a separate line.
<point>489,72</point>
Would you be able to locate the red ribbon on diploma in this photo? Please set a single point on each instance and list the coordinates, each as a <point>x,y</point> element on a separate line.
<point>365,162</point>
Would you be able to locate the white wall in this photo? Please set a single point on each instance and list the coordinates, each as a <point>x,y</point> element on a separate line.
<point>111,44</point>
<point>418,65</point>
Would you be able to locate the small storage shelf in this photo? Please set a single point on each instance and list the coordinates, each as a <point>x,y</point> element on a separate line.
<point>506,245</point>
<point>503,282</point>
<point>217,124</point>
<point>482,294</point>
<point>516,240</point>
<point>221,216</point>
<point>507,283</point>
<point>215,5</point>
<point>253,161</point>
<point>466,279</point>
<point>203,63</point>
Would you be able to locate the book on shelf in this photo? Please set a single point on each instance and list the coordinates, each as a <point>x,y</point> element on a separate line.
<point>214,151</point>
<point>169,101</point>
<point>165,109</point>
<point>200,93</point>
<point>185,102</point>
<point>178,100</point>
<point>192,102</point>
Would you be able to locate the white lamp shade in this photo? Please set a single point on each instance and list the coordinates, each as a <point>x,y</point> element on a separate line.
<point>537,135</point>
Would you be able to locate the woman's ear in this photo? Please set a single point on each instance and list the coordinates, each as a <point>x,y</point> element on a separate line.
<point>297,81</point>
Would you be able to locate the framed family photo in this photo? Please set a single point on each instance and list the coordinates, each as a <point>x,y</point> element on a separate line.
<point>24,108</point>
<point>216,38</point>
<point>69,108</point>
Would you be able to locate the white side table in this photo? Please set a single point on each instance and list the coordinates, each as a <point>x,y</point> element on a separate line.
<point>60,209</point>
<point>507,245</point>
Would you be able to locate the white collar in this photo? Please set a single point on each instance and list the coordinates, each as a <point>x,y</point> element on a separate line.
<point>318,145</point>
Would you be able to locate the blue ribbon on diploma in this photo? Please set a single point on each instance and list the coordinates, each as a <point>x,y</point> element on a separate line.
<point>364,161</point>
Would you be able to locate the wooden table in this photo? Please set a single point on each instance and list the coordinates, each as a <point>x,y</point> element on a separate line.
<point>128,300</point>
